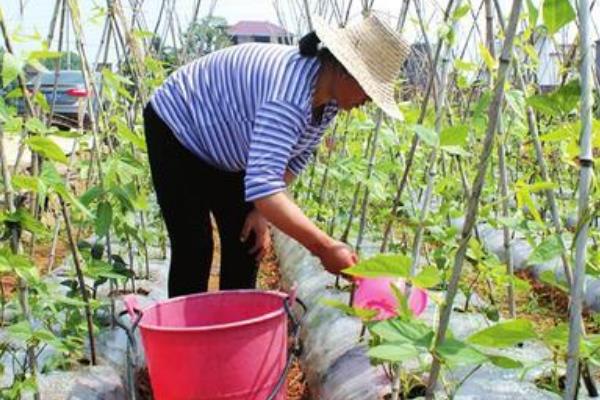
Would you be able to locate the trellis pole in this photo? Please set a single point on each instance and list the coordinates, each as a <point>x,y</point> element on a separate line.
<point>489,17</point>
<point>433,77</point>
<point>585,175</point>
<point>473,205</point>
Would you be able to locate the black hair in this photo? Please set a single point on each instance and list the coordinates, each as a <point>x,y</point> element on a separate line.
<point>309,47</point>
<point>309,44</point>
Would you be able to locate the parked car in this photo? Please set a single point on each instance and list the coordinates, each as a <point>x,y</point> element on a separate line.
<point>64,99</point>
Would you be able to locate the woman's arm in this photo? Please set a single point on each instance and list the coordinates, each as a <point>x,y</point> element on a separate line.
<point>282,212</point>
<point>289,177</point>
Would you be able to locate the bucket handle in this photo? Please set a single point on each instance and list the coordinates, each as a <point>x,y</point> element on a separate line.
<point>296,349</point>
<point>135,314</point>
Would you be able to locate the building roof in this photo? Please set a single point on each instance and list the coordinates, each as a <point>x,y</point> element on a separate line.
<point>256,28</point>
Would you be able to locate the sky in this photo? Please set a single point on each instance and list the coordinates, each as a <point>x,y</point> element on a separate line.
<point>36,16</point>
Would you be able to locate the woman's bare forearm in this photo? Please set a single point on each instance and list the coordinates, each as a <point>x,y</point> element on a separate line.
<point>281,211</point>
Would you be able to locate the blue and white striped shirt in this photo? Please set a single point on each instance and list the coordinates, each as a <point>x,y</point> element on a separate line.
<point>247,107</point>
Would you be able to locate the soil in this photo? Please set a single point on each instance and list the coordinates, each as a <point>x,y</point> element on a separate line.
<point>543,304</point>
<point>41,257</point>
<point>269,278</point>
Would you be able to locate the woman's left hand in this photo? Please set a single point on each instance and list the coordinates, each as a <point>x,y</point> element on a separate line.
<point>256,223</point>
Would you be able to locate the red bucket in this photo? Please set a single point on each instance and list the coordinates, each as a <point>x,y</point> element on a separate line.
<point>224,345</point>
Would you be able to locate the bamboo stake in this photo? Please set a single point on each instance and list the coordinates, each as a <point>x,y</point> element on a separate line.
<point>370,167</point>
<point>489,17</point>
<point>433,158</point>
<point>355,198</point>
<point>52,28</point>
<point>10,204</point>
<point>308,17</point>
<point>473,205</point>
<point>415,141</point>
<point>585,174</point>
<point>15,249</point>
<point>80,280</point>
<point>186,49</point>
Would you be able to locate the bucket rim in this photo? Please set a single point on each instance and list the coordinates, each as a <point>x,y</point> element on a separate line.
<point>229,325</point>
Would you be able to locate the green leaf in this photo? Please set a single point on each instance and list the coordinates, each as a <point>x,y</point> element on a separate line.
<point>489,60</point>
<point>557,14</point>
<point>47,148</point>
<point>27,222</point>
<point>393,352</point>
<point>552,247</point>
<point>562,133</point>
<point>45,55</point>
<point>561,101</point>
<point>388,265</point>
<point>524,199</point>
<point>557,337</point>
<point>543,104</point>
<point>549,278</point>
<point>91,194</point>
<point>12,67</point>
<point>127,134</point>
<point>429,277</point>
<point>403,310</point>
<point>464,65</point>
<point>461,12</point>
<point>50,176</point>
<point>20,330</point>
<point>362,313</point>
<point>542,185</point>
<point>427,135</point>
<point>504,334</point>
<point>455,150</point>
<point>504,362</point>
<point>25,182</point>
<point>455,352</point>
<point>454,136</point>
<point>534,13</point>
<point>35,125</point>
<point>103,218</point>
<point>399,331</point>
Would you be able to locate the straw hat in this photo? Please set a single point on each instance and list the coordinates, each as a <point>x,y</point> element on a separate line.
<point>373,54</point>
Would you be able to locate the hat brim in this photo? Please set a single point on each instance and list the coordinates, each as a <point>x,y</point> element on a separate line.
<point>381,93</point>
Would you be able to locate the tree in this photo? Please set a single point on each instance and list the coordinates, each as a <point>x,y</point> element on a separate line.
<point>75,62</point>
<point>206,36</point>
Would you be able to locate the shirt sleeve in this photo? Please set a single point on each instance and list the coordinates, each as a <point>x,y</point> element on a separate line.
<point>277,127</point>
<point>298,163</point>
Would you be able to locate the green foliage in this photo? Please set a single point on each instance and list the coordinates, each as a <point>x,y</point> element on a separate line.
<point>206,36</point>
<point>504,334</point>
<point>557,14</point>
<point>388,265</point>
<point>65,60</point>
<point>558,102</point>
<point>47,148</point>
<point>12,67</point>
<point>551,248</point>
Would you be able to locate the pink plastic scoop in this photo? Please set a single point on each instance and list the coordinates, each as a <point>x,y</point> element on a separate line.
<point>376,294</point>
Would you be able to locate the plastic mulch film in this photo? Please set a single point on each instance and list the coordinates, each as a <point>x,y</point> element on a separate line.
<point>493,241</point>
<point>337,367</point>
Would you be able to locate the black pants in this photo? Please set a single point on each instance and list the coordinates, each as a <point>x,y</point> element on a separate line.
<point>188,190</point>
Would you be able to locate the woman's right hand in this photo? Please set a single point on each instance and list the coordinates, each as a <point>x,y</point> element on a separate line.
<point>337,256</point>
<point>282,212</point>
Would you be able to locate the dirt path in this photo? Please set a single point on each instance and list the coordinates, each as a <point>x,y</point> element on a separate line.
<point>269,278</point>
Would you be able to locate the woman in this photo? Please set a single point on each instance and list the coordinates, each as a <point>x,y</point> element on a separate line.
<point>229,132</point>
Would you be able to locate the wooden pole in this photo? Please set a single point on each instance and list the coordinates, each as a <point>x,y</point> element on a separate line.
<point>473,205</point>
<point>585,175</point>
